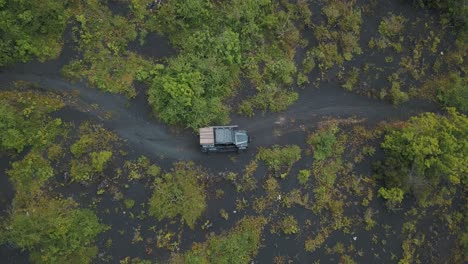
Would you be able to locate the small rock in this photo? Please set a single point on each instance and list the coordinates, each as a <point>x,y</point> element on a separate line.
<point>234,211</point>
<point>354,238</point>
<point>279,197</point>
<point>441,53</point>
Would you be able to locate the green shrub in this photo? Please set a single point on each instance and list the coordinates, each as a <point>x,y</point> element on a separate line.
<point>396,95</point>
<point>303,176</point>
<point>179,192</point>
<point>54,152</point>
<point>129,203</point>
<point>92,152</point>
<point>153,170</point>
<point>370,223</point>
<point>392,26</point>
<point>352,79</point>
<point>280,159</point>
<point>453,91</point>
<point>239,245</point>
<point>323,143</point>
<point>427,153</point>
<point>394,196</point>
<point>308,64</point>
<point>24,120</point>
<point>100,159</point>
<point>29,175</point>
<point>302,79</point>
<point>289,225</point>
<point>55,231</point>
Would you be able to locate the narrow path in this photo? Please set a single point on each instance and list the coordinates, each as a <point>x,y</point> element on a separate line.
<point>132,120</point>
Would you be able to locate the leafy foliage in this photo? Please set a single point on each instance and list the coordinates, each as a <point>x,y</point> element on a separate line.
<point>179,192</point>
<point>103,39</point>
<point>24,121</point>
<point>289,225</point>
<point>56,231</point>
<point>338,38</point>
<point>190,91</point>
<point>92,152</point>
<point>31,29</point>
<point>280,159</point>
<point>392,26</point>
<point>323,143</point>
<point>29,175</point>
<point>394,196</point>
<point>239,245</point>
<point>303,176</point>
<point>217,43</point>
<point>428,153</point>
<point>452,91</point>
<point>455,9</point>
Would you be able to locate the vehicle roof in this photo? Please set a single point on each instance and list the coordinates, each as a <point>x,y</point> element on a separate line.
<point>224,135</point>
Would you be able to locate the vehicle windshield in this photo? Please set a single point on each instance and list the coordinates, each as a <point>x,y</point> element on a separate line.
<point>241,138</point>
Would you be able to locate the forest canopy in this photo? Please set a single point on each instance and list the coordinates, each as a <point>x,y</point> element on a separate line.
<point>31,29</point>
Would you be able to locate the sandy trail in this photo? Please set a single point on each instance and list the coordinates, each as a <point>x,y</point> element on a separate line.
<point>132,120</point>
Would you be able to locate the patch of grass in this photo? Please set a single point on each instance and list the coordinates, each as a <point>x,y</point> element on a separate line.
<point>392,26</point>
<point>280,159</point>
<point>179,193</point>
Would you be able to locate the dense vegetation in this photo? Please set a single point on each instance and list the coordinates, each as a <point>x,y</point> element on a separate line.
<point>179,193</point>
<point>55,231</point>
<point>24,121</point>
<point>31,29</point>
<point>428,156</point>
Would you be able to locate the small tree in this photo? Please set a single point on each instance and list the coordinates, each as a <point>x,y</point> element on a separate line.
<point>431,151</point>
<point>393,196</point>
<point>55,231</point>
<point>179,192</point>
